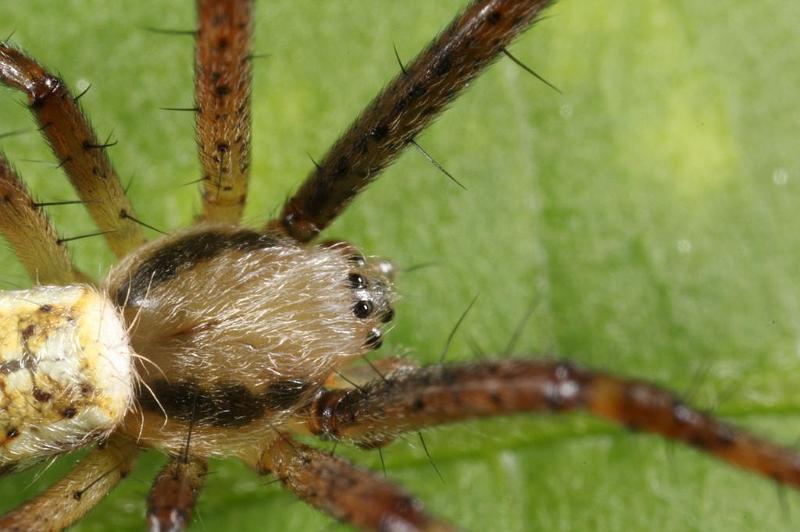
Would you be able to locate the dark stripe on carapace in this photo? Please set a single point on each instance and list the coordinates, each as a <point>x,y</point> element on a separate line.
<point>183,253</point>
<point>225,404</point>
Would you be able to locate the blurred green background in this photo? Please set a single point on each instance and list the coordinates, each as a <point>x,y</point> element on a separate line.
<point>648,216</point>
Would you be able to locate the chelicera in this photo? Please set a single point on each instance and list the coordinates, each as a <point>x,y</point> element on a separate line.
<point>233,386</point>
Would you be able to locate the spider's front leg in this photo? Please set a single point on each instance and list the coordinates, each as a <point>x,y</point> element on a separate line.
<point>403,109</point>
<point>374,414</point>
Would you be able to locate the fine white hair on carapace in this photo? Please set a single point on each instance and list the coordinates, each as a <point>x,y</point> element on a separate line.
<point>287,305</point>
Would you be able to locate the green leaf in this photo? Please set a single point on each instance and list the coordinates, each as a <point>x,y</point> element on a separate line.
<point>648,216</point>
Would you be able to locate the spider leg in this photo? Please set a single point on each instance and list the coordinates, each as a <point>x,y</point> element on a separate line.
<point>403,109</point>
<point>357,375</point>
<point>222,93</point>
<point>26,227</point>
<point>373,415</point>
<point>76,146</point>
<point>342,490</point>
<point>70,498</point>
<point>174,492</point>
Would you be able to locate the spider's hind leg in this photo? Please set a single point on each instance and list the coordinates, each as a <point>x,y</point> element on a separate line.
<point>66,501</point>
<point>27,229</point>
<point>342,490</point>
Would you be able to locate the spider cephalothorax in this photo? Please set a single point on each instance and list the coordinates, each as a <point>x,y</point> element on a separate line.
<point>222,340</point>
<point>243,328</point>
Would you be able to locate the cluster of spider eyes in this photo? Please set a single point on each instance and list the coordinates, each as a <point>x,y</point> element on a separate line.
<point>373,295</point>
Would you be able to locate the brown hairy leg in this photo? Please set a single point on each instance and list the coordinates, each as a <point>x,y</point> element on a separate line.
<point>342,490</point>
<point>222,93</point>
<point>76,146</point>
<point>174,492</point>
<point>374,414</point>
<point>364,372</point>
<point>66,501</point>
<point>26,227</point>
<point>403,109</point>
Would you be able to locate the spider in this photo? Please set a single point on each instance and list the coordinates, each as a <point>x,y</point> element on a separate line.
<point>560,349</point>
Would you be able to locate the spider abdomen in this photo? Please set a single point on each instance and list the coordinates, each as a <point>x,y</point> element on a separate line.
<point>241,328</point>
<point>66,377</point>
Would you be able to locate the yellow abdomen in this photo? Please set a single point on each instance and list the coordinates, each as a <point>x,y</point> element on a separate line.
<point>66,377</point>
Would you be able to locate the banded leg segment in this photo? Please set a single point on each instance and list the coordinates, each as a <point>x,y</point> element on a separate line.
<point>66,501</point>
<point>222,87</point>
<point>174,492</point>
<point>76,146</point>
<point>344,491</point>
<point>27,229</point>
<point>403,109</point>
<point>374,414</point>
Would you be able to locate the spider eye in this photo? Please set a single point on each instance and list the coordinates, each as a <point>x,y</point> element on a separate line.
<point>388,316</point>
<point>362,309</point>
<point>357,281</point>
<point>374,339</point>
<point>357,260</point>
